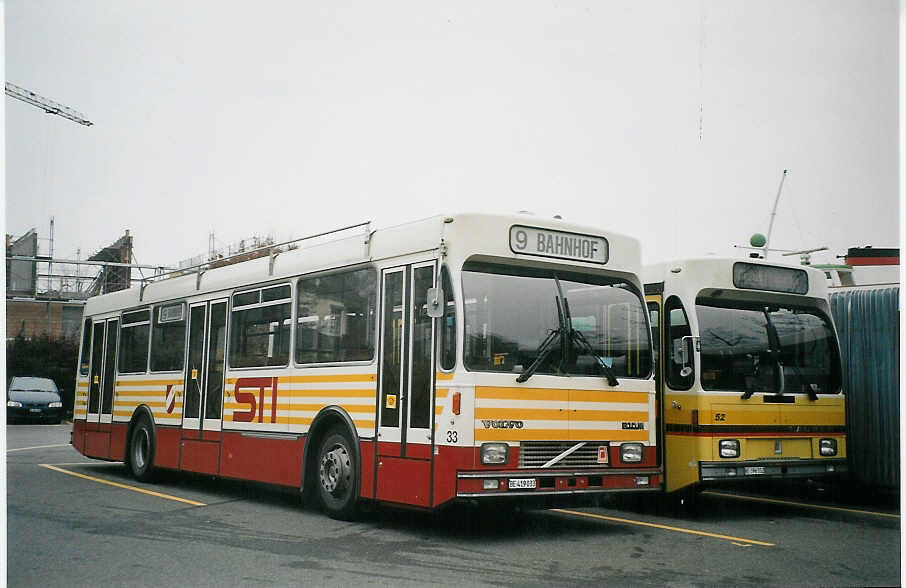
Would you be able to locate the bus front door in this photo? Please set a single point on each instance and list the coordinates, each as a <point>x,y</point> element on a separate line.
<point>199,448</point>
<point>406,386</point>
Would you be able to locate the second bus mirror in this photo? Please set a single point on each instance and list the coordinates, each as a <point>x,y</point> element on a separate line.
<point>435,302</point>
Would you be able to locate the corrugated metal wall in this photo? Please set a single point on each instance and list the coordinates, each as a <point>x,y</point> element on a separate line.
<point>868,324</point>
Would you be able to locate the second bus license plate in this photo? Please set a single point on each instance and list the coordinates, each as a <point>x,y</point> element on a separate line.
<point>755,470</point>
<point>521,483</point>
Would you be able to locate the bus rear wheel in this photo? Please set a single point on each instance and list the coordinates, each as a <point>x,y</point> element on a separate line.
<point>337,474</point>
<point>141,451</point>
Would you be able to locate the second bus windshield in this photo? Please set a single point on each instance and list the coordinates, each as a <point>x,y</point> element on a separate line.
<point>741,346</point>
<point>509,311</point>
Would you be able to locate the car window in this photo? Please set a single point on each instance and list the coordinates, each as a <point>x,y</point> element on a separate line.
<point>32,383</point>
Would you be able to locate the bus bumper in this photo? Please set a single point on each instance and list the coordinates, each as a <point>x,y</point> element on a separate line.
<point>506,483</point>
<point>793,468</point>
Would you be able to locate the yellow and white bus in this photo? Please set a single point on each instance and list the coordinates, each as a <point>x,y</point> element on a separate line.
<point>749,369</point>
<point>458,357</point>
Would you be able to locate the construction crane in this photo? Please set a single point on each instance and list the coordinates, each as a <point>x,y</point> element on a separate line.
<point>46,104</point>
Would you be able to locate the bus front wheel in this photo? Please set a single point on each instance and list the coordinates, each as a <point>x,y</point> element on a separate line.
<point>337,473</point>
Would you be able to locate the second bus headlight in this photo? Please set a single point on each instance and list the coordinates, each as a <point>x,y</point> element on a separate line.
<point>494,453</point>
<point>729,447</point>
<point>827,447</point>
<point>631,452</point>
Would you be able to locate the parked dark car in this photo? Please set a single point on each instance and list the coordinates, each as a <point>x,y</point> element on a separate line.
<point>31,398</point>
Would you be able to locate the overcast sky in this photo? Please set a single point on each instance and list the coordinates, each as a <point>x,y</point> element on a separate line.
<point>669,121</point>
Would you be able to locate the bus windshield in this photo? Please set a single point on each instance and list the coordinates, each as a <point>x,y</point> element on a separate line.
<point>764,348</point>
<point>510,311</point>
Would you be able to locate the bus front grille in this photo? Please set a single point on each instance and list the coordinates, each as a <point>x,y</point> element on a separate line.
<point>535,454</point>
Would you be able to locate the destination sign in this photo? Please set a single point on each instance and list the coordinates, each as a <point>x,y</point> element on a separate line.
<point>559,244</point>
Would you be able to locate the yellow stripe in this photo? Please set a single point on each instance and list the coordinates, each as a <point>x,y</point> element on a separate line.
<point>803,504</point>
<point>442,392</point>
<point>554,414</point>
<point>558,435</point>
<point>664,527</point>
<point>443,376</point>
<point>124,486</point>
<point>607,396</point>
<point>316,393</point>
<point>609,415</point>
<point>148,382</point>
<point>556,394</point>
<point>323,378</point>
<point>283,407</point>
<point>521,393</point>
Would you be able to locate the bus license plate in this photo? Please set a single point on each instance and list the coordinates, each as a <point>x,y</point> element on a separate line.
<point>754,470</point>
<point>521,483</point>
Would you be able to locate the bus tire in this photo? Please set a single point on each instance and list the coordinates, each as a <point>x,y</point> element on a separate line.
<point>141,451</point>
<point>337,475</point>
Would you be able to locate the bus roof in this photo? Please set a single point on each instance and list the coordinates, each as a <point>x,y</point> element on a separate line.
<point>693,275</point>
<point>461,236</point>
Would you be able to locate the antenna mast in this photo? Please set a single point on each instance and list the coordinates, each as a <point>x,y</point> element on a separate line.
<point>767,241</point>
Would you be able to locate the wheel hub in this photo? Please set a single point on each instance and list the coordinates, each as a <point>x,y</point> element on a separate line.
<point>335,470</point>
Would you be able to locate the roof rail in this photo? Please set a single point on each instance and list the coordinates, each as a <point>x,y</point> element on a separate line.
<point>271,250</point>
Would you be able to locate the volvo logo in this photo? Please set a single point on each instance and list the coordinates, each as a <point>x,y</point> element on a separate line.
<point>502,424</point>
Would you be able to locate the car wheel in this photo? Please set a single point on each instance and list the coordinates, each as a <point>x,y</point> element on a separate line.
<point>337,474</point>
<point>141,451</point>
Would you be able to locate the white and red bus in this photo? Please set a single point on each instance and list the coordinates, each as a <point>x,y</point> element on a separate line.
<point>457,357</point>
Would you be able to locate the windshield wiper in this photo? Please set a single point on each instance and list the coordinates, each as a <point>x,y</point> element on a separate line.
<point>579,340</point>
<point>548,345</point>
<point>565,335</point>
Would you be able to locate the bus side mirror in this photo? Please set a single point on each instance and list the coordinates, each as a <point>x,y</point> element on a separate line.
<point>436,302</point>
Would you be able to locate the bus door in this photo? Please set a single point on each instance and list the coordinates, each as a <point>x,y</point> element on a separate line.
<point>203,388</point>
<point>654,315</point>
<point>102,378</point>
<point>406,386</point>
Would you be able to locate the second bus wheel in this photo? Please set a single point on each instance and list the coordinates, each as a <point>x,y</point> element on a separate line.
<point>141,451</point>
<point>337,474</point>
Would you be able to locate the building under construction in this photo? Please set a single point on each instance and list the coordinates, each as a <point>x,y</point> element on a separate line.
<point>45,296</point>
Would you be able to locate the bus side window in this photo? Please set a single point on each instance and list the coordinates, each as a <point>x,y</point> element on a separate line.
<point>86,348</point>
<point>447,324</point>
<point>654,314</point>
<point>678,351</point>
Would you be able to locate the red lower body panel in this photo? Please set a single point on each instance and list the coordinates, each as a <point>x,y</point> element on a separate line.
<point>167,450</point>
<point>404,480</point>
<point>97,444</point>
<point>202,457</point>
<point>272,461</point>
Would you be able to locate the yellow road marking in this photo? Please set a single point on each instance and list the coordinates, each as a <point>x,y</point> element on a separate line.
<point>37,447</point>
<point>664,527</point>
<point>804,504</point>
<point>124,486</point>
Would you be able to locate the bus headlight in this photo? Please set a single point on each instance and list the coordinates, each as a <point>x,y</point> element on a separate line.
<point>55,405</point>
<point>827,447</point>
<point>13,404</point>
<point>631,452</point>
<point>729,447</point>
<point>494,453</point>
